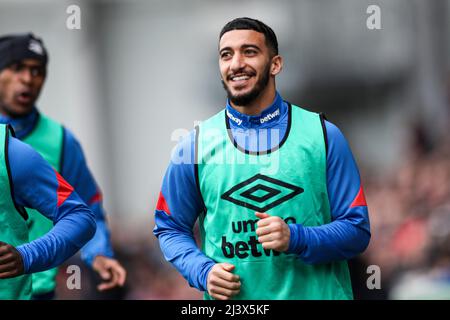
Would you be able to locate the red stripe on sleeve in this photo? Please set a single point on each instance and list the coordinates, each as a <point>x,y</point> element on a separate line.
<point>360,199</point>
<point>98,197</point>
<point>162,204</point>
<point>64,189</point>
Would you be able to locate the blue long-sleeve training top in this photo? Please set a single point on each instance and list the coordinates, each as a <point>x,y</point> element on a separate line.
<point>76,172</point>
<point>179,202</point>
<point>35,184</point>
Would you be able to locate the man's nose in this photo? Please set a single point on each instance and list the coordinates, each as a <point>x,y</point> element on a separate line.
<point>237,63</point>
<point>26,76</point>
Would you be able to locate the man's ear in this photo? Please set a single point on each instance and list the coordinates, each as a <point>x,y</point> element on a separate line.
<point>277,65</point>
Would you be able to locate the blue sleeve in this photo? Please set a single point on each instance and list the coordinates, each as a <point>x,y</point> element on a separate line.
<point>349,232</point>
<point>76,172</point>
<point>176,212</point>
<point>36,185</point>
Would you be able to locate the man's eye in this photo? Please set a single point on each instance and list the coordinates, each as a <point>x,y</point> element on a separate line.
<point>250,52</point>
<point>36,72</point>
<point>225,55</point>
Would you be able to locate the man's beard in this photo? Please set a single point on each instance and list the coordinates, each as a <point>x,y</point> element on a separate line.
<point>247,98</point>
<point>14,112</point>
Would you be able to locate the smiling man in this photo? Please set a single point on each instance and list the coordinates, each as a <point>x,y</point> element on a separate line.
<point>268,231</point>
<point>23,69</point>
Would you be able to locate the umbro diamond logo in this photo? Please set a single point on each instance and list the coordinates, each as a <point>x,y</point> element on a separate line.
<point>261,193</point>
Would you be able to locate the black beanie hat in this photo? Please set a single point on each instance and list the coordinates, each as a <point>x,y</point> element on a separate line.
<point>15,48</point>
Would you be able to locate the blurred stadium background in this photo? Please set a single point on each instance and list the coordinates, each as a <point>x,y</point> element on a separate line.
<point>139,71</point>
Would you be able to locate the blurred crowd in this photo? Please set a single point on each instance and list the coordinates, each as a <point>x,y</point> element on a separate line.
<point>409,210</point>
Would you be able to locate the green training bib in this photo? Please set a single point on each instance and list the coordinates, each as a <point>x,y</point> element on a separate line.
<point>288,181</point>
<point>13,227</point>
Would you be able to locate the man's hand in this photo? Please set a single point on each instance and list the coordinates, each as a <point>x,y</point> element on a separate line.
<point>11,263</point>
<point>273,232</point>
<point>222,284</point>
<point>109,270</point>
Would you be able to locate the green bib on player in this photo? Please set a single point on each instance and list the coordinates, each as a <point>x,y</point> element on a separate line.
<point>13,227</point>
<point>47,140</point>
<point>288,181</point>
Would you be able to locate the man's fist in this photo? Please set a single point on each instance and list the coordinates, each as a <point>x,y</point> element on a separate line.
<point>222,284</point>
<point>273,232</point>
<point>11,263</point>
<point>111,271</point>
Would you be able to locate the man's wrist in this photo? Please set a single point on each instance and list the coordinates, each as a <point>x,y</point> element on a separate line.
<point>205,272</point>
<point>89,259</point>
<point>297,240</point>
<point>23,254</point>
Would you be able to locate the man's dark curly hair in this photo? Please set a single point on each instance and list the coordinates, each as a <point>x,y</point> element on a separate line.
<point>245,23</point>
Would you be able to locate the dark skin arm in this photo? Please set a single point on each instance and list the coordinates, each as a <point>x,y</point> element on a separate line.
<point>11,264</point>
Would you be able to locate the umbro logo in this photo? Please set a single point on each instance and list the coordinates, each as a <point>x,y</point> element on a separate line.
<point>261,193</point>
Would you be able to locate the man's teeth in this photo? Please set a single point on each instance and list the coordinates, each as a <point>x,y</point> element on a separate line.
<point>240,78</point>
